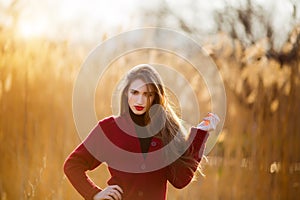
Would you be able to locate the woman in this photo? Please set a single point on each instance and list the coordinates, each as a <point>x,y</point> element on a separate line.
<point>147,126</point>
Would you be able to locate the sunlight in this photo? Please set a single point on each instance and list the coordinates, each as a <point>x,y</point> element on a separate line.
<point>75,18</point>
<point>113,12</point>
<point>31,28</point>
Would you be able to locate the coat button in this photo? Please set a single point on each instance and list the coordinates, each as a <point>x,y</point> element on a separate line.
<point>153,144</point>
<point>140,193</point>
<point>143,166</point>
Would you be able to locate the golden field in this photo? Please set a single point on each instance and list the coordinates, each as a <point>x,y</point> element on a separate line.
<point>257,155</point>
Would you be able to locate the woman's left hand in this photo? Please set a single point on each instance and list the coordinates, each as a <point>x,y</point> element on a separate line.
<point>209,123</point>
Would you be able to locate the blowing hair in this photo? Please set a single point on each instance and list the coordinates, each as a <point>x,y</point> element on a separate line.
<point>172,128</point>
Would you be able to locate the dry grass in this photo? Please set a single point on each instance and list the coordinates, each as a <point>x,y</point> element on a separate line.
<point>257,157</point>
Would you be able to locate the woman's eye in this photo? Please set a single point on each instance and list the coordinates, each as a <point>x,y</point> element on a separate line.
<point>150,94</point>
<point>134,92</point>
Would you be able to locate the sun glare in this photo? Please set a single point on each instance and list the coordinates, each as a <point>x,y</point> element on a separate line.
<point>73,17</point>
<point>31,28</point>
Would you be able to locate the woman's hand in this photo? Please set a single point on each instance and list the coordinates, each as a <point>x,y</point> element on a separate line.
<point>209,123</point>
<point>112,192</point>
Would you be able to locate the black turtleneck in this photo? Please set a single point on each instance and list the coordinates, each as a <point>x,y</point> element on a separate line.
<point>141,131</point>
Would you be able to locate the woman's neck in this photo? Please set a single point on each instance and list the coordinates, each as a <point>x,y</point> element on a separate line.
<point>138,119</point>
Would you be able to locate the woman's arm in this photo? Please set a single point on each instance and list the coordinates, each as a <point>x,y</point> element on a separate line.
<point>82,159</point>
<point>179,174</point>
<point>75,167</point>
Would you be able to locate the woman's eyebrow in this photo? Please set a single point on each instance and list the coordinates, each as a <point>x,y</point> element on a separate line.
<point>150,92</point>
<point>134,90</point>
<point>146,92</point>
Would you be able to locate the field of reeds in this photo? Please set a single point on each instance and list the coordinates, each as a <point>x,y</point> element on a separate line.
<point>257,155</point>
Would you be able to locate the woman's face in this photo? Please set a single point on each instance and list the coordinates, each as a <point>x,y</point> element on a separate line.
<point>140,97</point>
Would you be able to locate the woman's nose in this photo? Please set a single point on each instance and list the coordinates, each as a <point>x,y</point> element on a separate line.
<point>140,99</point>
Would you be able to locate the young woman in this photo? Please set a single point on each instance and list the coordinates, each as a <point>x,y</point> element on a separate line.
<point>150,145</point>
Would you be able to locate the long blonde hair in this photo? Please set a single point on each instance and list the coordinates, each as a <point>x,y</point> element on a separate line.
<point>172,128</point>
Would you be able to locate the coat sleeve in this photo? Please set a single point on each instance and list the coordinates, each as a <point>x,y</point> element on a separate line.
<point>78,163</point>
<point>179,174</point>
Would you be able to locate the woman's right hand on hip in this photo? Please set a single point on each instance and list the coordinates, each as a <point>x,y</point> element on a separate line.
<point>111,192</point>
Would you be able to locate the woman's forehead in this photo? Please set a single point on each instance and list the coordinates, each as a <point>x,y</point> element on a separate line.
<point>140,85</point>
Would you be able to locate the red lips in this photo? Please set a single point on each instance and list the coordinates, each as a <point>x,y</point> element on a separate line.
<point>139,108</point>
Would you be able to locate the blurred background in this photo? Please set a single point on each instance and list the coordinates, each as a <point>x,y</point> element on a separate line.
<point>255,44</point>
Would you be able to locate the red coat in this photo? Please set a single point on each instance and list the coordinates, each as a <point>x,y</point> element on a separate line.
<point>139,177</point>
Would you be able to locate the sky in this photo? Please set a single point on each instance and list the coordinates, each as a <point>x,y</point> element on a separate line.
<point>80,19</point>
<point>72,18</point>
